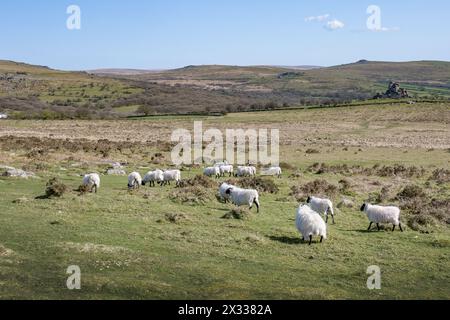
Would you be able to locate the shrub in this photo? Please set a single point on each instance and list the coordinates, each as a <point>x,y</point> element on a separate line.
<point>259,183</point>
<point>55,188</point>
<point>312,151</point>
<point>410,192</point>
<point>191,195</point>
<point>176,217</point>
<point>237,213</point>
<point>318,187</point>
<point>198,180</point>
<point>441,176</point>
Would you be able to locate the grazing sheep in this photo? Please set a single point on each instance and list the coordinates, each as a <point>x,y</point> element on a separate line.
<point>171,175</point>
<point>134,180</point>
<point>322,206</point>
<point>153,176</point>
<point>223,191</point>
<point>226,169</point>
<point>309,223</point>
<point>382,214</point>
<point>92,181</point>
<point>212,171</point>
<point>244,171</point>
<point>272,171</point>
<point>242,197</point>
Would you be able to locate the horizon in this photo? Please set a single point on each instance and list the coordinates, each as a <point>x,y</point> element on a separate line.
<point>211,65</point>
<point>161,35</point>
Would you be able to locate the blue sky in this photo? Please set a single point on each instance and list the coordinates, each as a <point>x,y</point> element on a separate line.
<point>153,34</point>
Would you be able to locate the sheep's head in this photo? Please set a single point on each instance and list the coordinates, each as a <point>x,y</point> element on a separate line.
<point>228,191</point>
<point>363,207</point>
<point>309,199</point>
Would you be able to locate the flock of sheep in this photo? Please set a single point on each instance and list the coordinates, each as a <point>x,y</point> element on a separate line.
<point>309,221</point>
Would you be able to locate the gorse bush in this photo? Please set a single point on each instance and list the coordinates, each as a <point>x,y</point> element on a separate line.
<point>55,188</point>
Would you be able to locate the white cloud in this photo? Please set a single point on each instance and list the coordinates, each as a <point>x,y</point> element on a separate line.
<point>317,18</point>
<point>334,25</point>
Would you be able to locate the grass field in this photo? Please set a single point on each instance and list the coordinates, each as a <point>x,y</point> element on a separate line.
<point>149,244</point>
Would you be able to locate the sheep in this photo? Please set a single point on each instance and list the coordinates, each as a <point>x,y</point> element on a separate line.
<point>134,180</point>
<point>222,191</point>
<point>92,181</point>
<point>322,206</point>
<point>272,171</point>
<point>171,175</point>
<point>153,176</point>
<point>309,223</point>
<point>212,171</point>
<point>244,171</point>
<point>242,197</point>
<point>382,214</point>
<point>226,169</point>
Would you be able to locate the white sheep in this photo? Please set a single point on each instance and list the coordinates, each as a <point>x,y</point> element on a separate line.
<point>223,191</point>
<point>153,176</point>
<point>171,175</point>
<point>272,171</point>
<point>245,171</point>
<point>309,223</point>
<point>212,172</point>
<point>382,214</point>
<point>228,168</point>
<point>134,180</point>
<point>242,197</point>
<point>321,206</point>
<point>92,181</point>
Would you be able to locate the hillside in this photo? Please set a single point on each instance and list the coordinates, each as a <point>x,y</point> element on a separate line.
<point>36,91</point>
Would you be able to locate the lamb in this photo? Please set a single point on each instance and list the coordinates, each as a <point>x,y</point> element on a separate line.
<point>242,197</point>
<point>153,176</point>
<point>321,206</point>
<point>134,180</point>
<point>92,181</point>
<point>171,175</point>
<point>223,189</point>
<point>212,171</point>
<point>226,169</point>
<point>309,223</point>
<point>382,214</point>
<point>272,171</point>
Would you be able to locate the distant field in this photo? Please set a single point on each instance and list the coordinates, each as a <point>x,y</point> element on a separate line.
<point>170,243</point>
<point>36,92</point>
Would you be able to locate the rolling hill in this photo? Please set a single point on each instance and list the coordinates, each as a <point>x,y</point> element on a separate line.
<point>37,91</point>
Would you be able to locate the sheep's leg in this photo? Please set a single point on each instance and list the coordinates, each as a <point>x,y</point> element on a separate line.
<point>321,239</point>
<point>256,202</point>
<point>393,228</point>
<point>310,239</point>
<point>95,188</point>
<point>370,225</point>
<point>378,226</point>
<point>326,217</point>
<point>400,225</point>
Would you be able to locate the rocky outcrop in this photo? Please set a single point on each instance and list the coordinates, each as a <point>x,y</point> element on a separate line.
<point>394,91</point>
<point>17,173</point>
